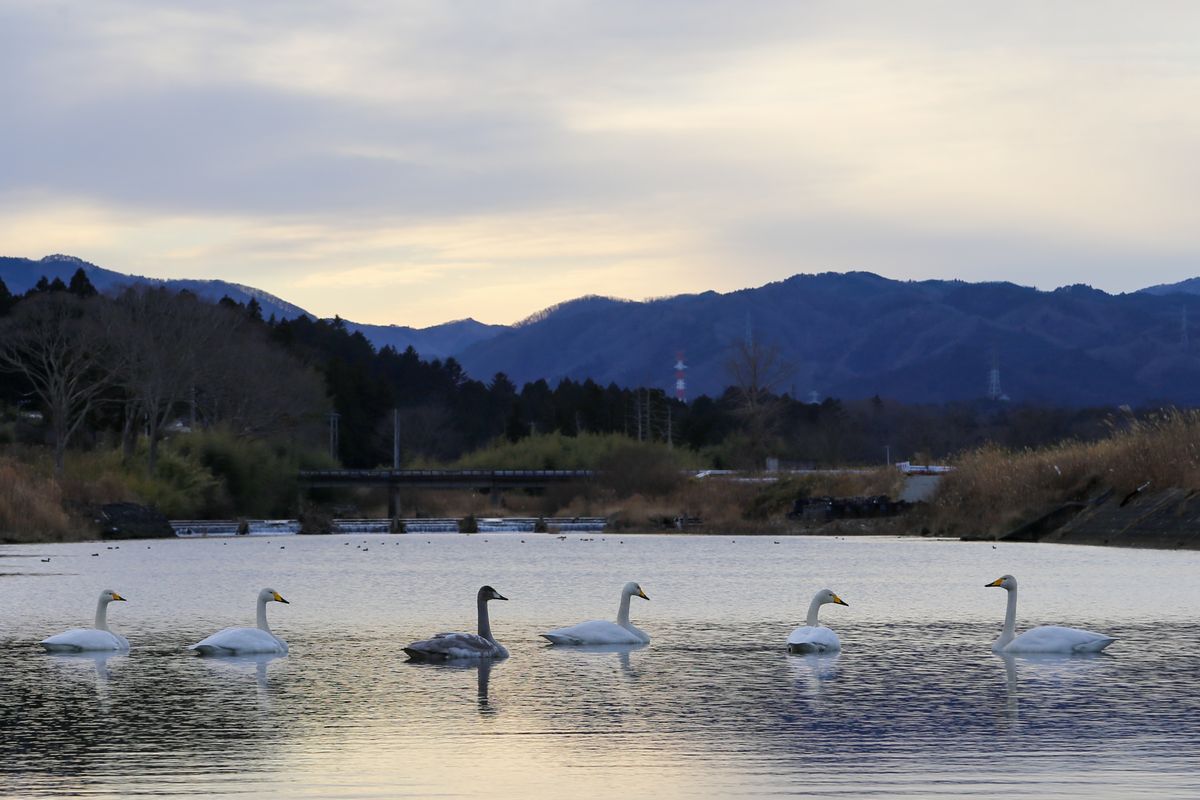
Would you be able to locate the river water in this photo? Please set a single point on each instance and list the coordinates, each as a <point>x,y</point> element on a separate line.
<point>916,705</point>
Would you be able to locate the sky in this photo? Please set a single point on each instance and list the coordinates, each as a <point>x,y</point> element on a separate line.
<point>418,162</point>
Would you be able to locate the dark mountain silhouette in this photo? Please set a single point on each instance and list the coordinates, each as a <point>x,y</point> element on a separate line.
<point>1189,286</point>
<point>854,335</point>
<point>20,274</point>
<point>438,341</point>
<point>846,335</point>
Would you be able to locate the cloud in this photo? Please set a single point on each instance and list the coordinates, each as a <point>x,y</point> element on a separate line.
<point>514,153</point>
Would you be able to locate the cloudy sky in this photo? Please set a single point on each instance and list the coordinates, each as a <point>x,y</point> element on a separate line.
<point>417,162</point>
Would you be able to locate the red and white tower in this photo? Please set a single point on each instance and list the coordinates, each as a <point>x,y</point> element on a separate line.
<point>680,382</point>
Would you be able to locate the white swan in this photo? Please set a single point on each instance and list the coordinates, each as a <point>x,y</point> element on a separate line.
<point>601,631</point>
<point>814,638</point>
<point>445,646</point>
<point>78,640</point>
<point>1043,639</point>
<point>246,641</point>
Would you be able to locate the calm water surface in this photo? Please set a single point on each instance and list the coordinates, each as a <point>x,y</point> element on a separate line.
<point>916,705</point>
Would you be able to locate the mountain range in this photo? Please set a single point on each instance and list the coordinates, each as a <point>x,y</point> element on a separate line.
<point>846,335</point>
<point>438,341</point>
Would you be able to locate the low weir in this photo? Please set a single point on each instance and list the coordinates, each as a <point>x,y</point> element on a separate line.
<point>186,529</point>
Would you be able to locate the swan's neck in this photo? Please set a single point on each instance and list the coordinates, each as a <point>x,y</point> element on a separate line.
<point>485,625</point>
<point>102,614</point>
<point>262,615</point>
<point>623,609</point>
<point>1010,619</point>
<point>812,612</point>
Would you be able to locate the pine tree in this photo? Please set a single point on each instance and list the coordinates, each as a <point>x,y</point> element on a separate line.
<point>81,285</point>
<point>6,299</point>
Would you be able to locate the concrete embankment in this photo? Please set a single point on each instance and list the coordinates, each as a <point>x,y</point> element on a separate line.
<point>1167,520</point>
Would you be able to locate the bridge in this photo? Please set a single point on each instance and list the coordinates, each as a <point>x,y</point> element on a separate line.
<point>491,481</point>
<point>481,479</point>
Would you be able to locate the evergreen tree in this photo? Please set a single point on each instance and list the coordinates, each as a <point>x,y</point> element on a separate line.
<point>7,301</point>
<point>81,285</point>
<point>57,285</point>
<point>254,310</point>
<point>41,287</point>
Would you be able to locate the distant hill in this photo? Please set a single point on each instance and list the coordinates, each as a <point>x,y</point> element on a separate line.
<point>1189,286</point>
<point>20,274</point>
<point>854,335</point>
<point>438,341</point>
<point>847,335</point>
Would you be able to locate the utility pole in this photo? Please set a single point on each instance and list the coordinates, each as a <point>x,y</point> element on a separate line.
<point>395,438</point>
<point>333,434</point>
<point>649,419</point>
<point>637,407</point>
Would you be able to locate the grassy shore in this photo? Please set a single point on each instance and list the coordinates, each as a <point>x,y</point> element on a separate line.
<point>203,475</point>
<point>994,490</point>
<point>641,487</point>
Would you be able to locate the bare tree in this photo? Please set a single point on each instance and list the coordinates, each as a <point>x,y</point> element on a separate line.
<point>162,341</point>
<point>757,369</point>
<point>254,388</point>
<point>49,340</point>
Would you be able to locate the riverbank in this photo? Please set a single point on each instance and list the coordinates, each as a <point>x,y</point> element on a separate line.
<point>1135,488</point>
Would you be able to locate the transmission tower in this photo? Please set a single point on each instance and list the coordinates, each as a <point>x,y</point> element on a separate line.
<point>994,391</point>
<point>680,380</point>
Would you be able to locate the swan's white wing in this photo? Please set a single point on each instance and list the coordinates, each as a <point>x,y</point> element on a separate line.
<point>78,640</point>
<point>1056,639</point>
<point>813,639</point>
<point>455,645</point>
<point>597,631</point>
<point>240,641</point>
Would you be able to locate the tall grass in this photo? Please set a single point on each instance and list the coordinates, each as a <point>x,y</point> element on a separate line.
<point>31,508</point>
<point>994,490</point>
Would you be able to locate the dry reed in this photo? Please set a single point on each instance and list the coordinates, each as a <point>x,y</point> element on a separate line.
<point>994,490</point>
<point>31,507</point>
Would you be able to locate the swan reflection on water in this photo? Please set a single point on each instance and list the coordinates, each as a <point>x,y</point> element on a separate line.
<point>1053,668</point>
<point>87,664</point>
<point>89,667</point>
<point>483,675</point>
<point>237,667</point>
<point>811,671</point>
<point>588,656</point>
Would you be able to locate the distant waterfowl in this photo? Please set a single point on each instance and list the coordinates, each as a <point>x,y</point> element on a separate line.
<point>814,638</point>
<point>1045,638</point>
<point>446,646</point>
<point>246,641</point>
<point>78,640</point>
<point>600,631</point>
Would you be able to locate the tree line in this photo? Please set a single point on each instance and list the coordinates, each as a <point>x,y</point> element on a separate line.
<point>132,366</point>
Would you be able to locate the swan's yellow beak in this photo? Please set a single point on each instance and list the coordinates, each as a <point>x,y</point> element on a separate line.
<point>117,596</point>
<point>996,582</point>
<point>642,594</point>
<point>840,601</point>
<point>278,598</point>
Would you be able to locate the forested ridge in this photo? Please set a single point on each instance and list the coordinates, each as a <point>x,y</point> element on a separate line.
<point>151,361</point>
